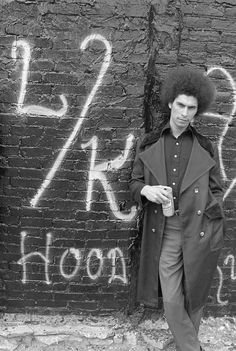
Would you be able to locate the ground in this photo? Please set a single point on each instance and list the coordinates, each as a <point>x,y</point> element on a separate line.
<point>138,332</point>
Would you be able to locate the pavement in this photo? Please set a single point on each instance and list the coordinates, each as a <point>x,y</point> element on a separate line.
<point>118,332</point>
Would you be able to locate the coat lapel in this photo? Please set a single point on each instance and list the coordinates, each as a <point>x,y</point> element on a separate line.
<point>199,163</point>
<point>154,160</point>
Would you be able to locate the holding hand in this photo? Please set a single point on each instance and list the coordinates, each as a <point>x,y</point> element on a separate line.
<point>155,193</point>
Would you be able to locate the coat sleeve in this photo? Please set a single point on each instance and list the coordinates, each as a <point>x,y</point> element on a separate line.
<point>137,182</point>
<point>215,181</point>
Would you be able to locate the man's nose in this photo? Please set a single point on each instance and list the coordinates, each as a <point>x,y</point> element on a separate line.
<point>185,111</point>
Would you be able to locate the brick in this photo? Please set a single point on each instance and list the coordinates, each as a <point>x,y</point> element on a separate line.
<point>83,306</point>
<point>4,171</point>
<point>64,184</point>
<point>35,77</point>
<point>24,162</point>
<point>43,42</point>
<point>230,12</point>
<point>70,89</point>
<point>11,201</point>
<point>9,150</point>
<point>85,288</point>
<point>70,223</point>
<point>24,182</point>
<point>29,173</point>
<point>80,215</point>
<point>59,78</point>
<point>38,89</point>
<point>36,222</point>
<point>100,225</point>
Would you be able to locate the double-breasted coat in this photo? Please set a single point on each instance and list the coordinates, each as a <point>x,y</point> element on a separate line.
<point>200,213</point>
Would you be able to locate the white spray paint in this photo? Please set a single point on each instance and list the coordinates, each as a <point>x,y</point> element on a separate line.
<point>113,254</point>
<point>76,254</point>
<point>232,259</point>
<point>62,153</point>
<point>228,121</point>
<point>98,254</point>
<point>25,258</point>
<point>218,295</point>
<point>32,109</point>
<point>233,277</point>
<point>97,172</point>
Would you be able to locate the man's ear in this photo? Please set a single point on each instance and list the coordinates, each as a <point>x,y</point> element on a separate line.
<point>170,105</point>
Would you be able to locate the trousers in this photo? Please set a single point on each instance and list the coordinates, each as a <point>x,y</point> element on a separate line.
<point>183,324</point>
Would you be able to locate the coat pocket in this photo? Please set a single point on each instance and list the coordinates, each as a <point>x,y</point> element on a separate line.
<point>215,225</point>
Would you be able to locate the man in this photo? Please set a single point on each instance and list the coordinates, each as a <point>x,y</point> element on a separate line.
<point>179,252</point>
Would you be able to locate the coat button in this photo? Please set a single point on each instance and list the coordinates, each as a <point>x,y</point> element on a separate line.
<point>155,211</point>
<point>199,212</point>
<point>196,190</point>
<point>153,229</point>
<point>202,234</point>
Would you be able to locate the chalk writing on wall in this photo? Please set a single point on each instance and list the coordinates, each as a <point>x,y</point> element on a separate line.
<point>114,257</point>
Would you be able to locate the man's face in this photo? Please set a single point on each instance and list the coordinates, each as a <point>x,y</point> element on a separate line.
<point>183,109</point>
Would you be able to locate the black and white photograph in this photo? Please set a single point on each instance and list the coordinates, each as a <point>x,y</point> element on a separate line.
<point>118,175</point>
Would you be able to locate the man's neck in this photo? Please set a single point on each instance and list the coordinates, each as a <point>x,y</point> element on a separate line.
<point>176,131</point>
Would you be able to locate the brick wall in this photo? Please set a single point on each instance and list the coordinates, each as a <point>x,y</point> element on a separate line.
<point>79,80</point>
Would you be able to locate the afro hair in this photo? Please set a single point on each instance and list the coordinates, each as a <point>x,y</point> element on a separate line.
<point>187,81</point>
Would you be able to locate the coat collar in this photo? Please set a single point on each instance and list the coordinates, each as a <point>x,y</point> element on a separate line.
<point>199,163</point>
<point>154,160</point>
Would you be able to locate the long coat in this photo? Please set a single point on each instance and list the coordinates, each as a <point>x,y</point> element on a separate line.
<point>201,216</point>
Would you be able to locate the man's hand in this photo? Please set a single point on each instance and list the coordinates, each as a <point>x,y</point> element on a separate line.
<point>155,193</point>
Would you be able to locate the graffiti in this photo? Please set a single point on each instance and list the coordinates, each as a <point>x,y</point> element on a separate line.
<point>76,254</point>
<point>227,120</point>
<point>233,277</point>
<point>114,256</point>
<point>218,295</point>
<point>232,259</point>
<point>65,148</point>
<point>32,109</point>
<point>98,254</point>
<point>26,257</point>
<point>97,172</point>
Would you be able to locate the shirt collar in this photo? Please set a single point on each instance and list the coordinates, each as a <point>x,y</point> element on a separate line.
<point>167,129</point>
